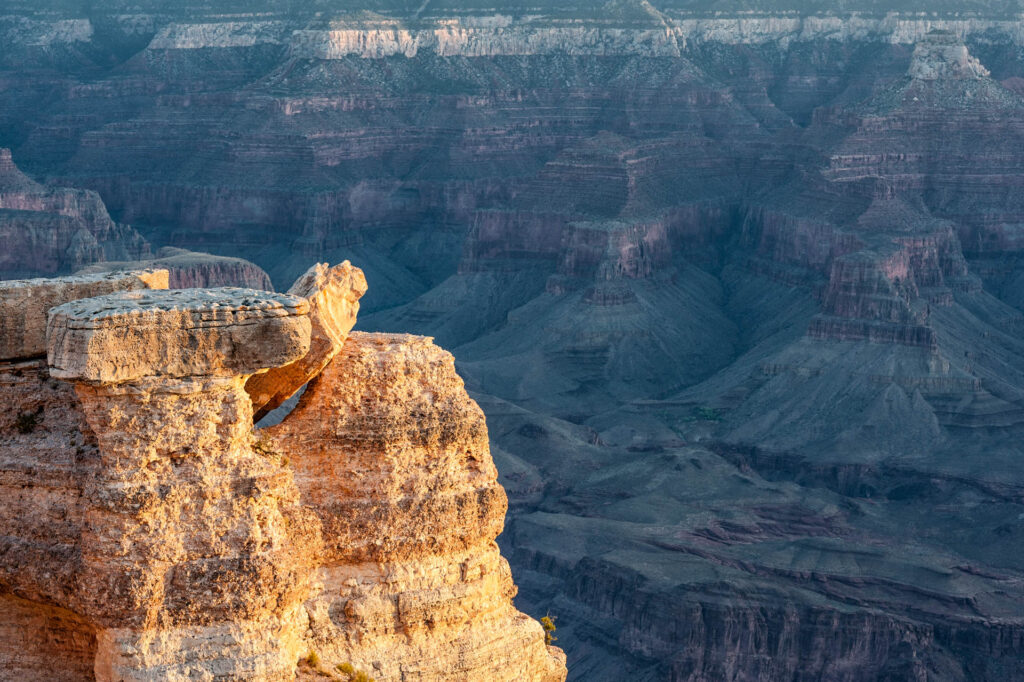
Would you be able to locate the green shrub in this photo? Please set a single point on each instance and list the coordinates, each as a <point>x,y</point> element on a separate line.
<point>548,623</point>
<point>353,674</point>
<point>262,444</point>
<point>709,414</point>
<point>27,422</point>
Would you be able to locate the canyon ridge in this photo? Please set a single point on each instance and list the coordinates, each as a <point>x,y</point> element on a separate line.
<point>739,287</point>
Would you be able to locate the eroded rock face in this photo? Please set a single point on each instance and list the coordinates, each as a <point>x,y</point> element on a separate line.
<point>197,555</point>
<point>24,304</point>
<point>47,452</point>
<point>942,54</point>
<point>333,297</point>
<point>393,456</point>
<point>52,230</point>
<point>148,535</point>
<point>176,334</point>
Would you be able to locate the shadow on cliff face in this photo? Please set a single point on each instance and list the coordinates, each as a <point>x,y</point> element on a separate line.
<point>743,309</point>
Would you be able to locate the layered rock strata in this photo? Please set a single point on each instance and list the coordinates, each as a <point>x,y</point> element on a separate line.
<point>197,551</point>
<point>394,458</point>
<point>47,452</point>
<point>149,535</point>
<point>49,231</point>
<point>195,270</point>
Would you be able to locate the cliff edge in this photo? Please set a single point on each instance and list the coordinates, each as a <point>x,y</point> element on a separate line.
<point>149,532</point>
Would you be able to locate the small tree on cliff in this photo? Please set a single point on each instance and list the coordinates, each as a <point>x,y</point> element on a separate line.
<point>548,623</point>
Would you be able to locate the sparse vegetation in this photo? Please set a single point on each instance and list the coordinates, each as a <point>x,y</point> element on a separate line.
<point>26,422</point>
<point>548,623</point>
<point>313,662</point>
<point>353,675</point>
<point>263,445</point>
<point>346,672</point>
<point>708,414</point>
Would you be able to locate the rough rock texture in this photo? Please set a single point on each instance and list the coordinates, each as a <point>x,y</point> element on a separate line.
<point>394,458</point>
<point>738,286</point>
<point>333,297</point>
<point>181,573</point>
<point>24,304</point>
<point>149,534</point>
<point>193,270</point>
<point>176,333</point>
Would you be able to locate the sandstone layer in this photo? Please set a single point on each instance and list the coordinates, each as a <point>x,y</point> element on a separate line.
<point>176,333</point>
<point>333,297</point>
<point>394,458</point>
<point>149,534</point>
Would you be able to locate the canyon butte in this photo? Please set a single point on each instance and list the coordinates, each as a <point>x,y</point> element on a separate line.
<point>739,287</point>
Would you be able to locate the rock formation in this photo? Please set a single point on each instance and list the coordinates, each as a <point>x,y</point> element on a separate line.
<point>739,289</point>
<point>194,270</point>
<point>150,534</point>
<point>333,296</point>
<point>47,450</point>
<point>413,584</point>
<point>195,561</point>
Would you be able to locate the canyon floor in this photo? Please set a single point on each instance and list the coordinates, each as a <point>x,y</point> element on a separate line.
<point>740,289</point>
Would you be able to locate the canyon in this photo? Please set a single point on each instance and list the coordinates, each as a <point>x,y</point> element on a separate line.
<point>738,287</point>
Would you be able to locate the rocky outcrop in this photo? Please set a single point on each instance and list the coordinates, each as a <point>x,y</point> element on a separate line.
<point>47,447</point>
<point>194,270</point>
<point>159,538</point>
<point>394,458</point>
<point>942,54</point>
<point>180,572</point>
<point>333,296</point>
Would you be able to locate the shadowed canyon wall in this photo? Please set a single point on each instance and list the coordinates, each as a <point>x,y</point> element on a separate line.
<point>737,285</point>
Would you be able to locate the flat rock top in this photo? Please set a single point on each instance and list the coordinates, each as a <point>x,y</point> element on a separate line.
<point>393,339</point>
<point>18,287</point>
<point>942,55</point>
<point>178,333</point>
<point>171,305</point>
<point>24,304</point>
